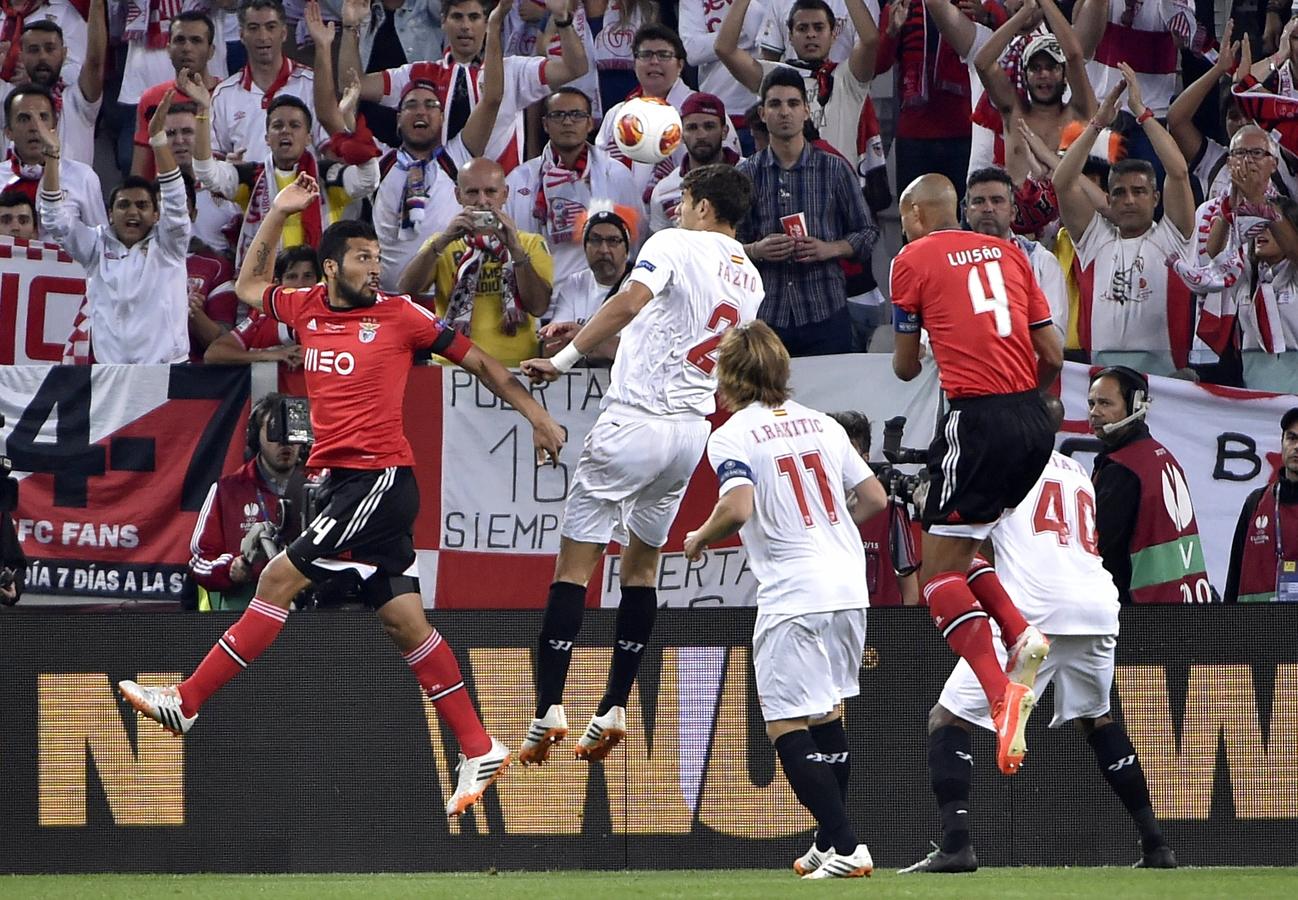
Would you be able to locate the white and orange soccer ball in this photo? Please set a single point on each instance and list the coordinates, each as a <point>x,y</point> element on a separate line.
<point>647,129</point>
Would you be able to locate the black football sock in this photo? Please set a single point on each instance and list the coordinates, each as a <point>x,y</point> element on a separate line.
<point>564,608</point>
<point>831,739</point>
<point>950,768</point>
<point>635,622</point>
<point>816,789</point>
<point>1121,768</point>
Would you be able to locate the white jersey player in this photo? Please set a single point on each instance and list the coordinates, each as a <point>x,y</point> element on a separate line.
<point>1047,559</point>
<point>784,471</point>
<point>687,288</point>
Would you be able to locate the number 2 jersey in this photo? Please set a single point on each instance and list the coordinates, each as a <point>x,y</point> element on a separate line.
<point>703,284</point>
<point>1048,559</point>
<point>356,362</point>
<point>803,547</point>
<point>978,298</point>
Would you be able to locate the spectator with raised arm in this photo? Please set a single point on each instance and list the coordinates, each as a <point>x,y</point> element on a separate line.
<point>254,185</point>
<point>30,110</point>
<point>1136,313</point>
<point>44,59</point>
<point>191,46</point>
<point>136,275</point>
<point>416,196</point>
<point>458,74</point>
<point>700,21</point>
<point>837,94</point>
<point>1052,63</point>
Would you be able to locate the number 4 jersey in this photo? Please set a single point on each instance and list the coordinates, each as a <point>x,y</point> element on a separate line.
<point>978,298</point>
<point>802,545</point>
<point>703,284</point>
<point>1047,556</point>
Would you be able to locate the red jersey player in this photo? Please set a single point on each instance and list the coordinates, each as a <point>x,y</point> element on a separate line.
<point>990,331</point>
<point>358,345</point>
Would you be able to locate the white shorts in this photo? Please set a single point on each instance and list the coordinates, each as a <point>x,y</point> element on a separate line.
<point>1080,665</point>
<point>631,475</point>
<point>807,663</point>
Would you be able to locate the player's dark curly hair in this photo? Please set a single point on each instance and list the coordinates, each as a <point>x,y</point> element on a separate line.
<point>729,190</point>
<point>857,426</point>
<point>333,243</point>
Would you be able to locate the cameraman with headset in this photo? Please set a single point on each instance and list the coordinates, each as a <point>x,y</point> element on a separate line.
<point>1144,519</point>
<point>243,523</point>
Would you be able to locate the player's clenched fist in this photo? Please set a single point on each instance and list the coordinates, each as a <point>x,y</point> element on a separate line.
<point>539,370</point>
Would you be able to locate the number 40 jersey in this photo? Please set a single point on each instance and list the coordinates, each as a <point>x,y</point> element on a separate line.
<point>978,298</point>
<point>1048,558</point>
<point>703,284</point>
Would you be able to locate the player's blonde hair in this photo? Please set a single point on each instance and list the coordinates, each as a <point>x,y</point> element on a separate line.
<point>752,366</point>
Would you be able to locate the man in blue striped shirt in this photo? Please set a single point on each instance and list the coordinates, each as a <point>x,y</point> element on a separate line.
<point>798,255</point>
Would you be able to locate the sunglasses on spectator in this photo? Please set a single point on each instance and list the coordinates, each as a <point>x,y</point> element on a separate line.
<point>660,55</point>
<point>1258,153</point>
<point>567,115</point>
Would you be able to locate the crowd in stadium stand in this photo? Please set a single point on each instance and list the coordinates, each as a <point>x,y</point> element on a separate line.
<point>1147,148</point>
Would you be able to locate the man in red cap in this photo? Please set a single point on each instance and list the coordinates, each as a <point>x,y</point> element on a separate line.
<point>703,126</point>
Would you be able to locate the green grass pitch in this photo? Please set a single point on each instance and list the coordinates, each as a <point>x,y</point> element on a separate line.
<point>993,884</point>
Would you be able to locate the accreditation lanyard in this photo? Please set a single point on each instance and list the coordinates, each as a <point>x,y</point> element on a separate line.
<point>1286,570</point>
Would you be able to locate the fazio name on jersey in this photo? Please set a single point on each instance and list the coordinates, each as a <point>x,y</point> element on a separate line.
<point>736,276</point>
<point>976,255</point>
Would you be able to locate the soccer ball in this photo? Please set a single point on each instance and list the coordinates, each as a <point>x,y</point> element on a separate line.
<point>647,129</point>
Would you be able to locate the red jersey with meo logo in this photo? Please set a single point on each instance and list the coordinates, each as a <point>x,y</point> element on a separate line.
<point>356,362</point>
<point>978,298</point>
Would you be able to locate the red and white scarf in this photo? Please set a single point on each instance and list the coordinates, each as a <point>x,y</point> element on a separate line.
<point>564,195</point>
<point>264,188</point>
<point>286,69</point>
<point>19,176</point>
<point>150,21</point>
<point>480,249</point>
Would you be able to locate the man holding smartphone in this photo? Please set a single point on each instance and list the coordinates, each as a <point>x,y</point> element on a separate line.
<point>490,280</point>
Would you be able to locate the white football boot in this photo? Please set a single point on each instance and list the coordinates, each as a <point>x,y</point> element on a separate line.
<point>161,704</point>
<point>602,735</point>
<point>810,861</point>
<point>543,734</point>
<point>1026,656</point>
<point>477,773</point>
<point>857,864</point>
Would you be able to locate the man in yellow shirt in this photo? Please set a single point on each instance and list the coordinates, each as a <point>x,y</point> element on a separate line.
<point>491,280</point>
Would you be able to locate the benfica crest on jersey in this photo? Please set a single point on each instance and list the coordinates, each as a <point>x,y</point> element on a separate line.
<point>369,330</point>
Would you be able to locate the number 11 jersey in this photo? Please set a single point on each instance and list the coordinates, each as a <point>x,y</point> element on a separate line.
<point>703,284</point>
<point>978,298</point>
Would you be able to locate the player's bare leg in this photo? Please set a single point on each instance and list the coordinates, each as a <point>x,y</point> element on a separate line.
<point>175,707</point>
<point>1120,766</point>
<point>836,852</point>
<point>482,757</point>
<point>564,609</point>
<point>636,613</point>
<point>964,624</point>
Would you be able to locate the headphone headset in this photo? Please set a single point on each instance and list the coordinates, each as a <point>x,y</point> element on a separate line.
<point>256,418</point>
<point>1135,391</point>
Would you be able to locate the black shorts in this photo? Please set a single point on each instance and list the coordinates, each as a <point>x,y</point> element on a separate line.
<point>367,516</point>
<point>986,456</point>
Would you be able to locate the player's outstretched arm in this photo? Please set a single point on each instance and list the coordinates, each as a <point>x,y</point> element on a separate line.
<point>258,270</point>
<point>547,435</point>
<point>733,509</point>
<point>608,320</point>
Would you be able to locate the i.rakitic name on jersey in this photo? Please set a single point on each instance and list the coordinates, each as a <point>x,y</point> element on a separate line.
<point>785,429</point>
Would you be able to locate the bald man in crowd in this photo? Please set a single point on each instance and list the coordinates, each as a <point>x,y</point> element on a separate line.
<point>989,327</point>
<point>492,280</point>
